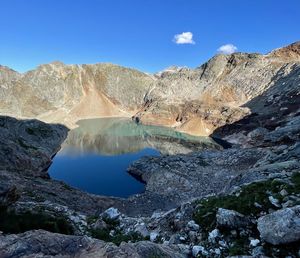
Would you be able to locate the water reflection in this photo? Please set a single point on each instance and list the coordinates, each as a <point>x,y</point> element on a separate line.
<point>113,136</point>
<point>95,156</point>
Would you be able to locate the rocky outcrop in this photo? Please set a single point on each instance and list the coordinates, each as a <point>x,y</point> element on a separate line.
<point>281,227</point>
<point>28,146</point>
<point>194,175</point>
<point>45,244</point>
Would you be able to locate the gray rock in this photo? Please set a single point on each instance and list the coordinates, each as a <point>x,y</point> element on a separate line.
<point>193,236</point>
<point>283,192</point>
<point>213,235</point>
<point>258,133</point>
<point>274,201</point>
<point>39,243</point>
<point>174,239</point>
<point>254,242</point>
<point>280,227</point>
<point>231,219</point>
<point>193,225</point>
<point>198,249</point>
<point>153,236</point>
<point>142,230</point>
<point>111,213</point>
<point>99,225</point>
<point>258,251</point>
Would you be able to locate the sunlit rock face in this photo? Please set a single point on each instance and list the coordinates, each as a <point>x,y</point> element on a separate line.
<point>196,101</point>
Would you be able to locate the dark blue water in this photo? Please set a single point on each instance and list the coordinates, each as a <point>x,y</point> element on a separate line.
<point>100,174</point>
<point>96,155</point>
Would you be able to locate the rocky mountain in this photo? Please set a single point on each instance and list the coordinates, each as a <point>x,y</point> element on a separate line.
<point>240,201</point>
<point>67,93</point>
<point>202,99</point>
<point>196,101</point>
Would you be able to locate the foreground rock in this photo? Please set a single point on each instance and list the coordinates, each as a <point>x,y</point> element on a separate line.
<point>28,146</point>
<point>281,227</point>
<point>44,244</point>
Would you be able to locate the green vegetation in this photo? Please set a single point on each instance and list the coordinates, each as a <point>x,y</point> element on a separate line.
<point>11,222</point>
<point>118,237</point>
<point>246,202</point>
<point>239,247</point>
<point>286,250</point>
<point>251,201</point>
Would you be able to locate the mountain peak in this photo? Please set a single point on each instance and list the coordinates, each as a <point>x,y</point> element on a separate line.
<point>291,52</point>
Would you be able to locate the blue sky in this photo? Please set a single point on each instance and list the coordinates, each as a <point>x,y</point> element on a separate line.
<point>140,34</point>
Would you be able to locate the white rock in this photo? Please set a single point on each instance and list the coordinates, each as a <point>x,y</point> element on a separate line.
<point>153,236</point>
<point>274,201</point>
<point>213,235</point>
<point>198,249</point>
<point>142,230</point>
<point>182,238</point>
<point>156,215</point>
<point>217,251</point>
<point>111,213</point>
<point>283,192</point>
<point>254,242</point>
<point>223,243</point>
<point>257,205</point>
<point>193,225</point>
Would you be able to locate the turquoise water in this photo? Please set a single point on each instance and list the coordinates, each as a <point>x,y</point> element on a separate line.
<point>96,154</point>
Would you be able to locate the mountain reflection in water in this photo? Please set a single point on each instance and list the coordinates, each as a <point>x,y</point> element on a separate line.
<point>96,154</point>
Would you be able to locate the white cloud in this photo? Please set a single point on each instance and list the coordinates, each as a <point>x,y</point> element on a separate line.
<point>227,49</point>
<point>184,38</point>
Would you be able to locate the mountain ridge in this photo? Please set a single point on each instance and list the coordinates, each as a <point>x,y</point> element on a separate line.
<point>61,93</point>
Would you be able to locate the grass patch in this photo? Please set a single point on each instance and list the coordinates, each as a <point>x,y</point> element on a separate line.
<point>205,214</point>
<point>239,247</point>
<point>92,219</point>
<point>286,250</point>
<point>10,222</point>
<point>117,238</point>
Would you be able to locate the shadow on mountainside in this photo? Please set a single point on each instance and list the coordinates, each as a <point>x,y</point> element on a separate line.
<point>270,110</point>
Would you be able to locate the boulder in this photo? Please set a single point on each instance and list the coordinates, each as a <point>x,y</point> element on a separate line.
<point>213,235</point>
<point>199,250</point>
<point>280,227</point>
<point>142,230</point>
<point>111,214</point>
<point>231,219</point>
<point>193,225</point>
<point>153,236</point>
